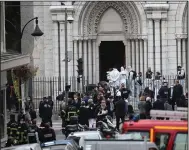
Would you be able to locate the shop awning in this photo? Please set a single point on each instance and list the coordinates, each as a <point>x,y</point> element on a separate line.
<point>12,59</point>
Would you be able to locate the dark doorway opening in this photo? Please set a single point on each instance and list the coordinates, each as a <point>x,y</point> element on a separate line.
<point>111,54</point>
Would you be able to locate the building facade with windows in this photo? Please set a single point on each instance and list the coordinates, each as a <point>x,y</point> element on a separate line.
<point>108,34</point>
<point>11,57</point>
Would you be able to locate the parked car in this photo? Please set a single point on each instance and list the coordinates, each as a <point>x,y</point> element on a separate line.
<point>79,137</point>
<point>34,146</point>
<point>61,145</point>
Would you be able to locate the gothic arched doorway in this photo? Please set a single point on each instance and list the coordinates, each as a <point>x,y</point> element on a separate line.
<point>111,54</point>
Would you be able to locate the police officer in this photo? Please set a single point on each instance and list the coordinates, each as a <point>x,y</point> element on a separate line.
<point>23,132</point>
<point>163,92</point>
<point>32,132</point>
<point>12,131</point>
<point>71,110</point>
<point>125,92</point>
<point>45,110</point>
<point>46,133</point>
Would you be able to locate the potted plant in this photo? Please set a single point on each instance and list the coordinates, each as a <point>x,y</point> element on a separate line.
<point>21,75</point>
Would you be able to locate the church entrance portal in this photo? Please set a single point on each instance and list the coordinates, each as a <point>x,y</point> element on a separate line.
<point>111,54</point>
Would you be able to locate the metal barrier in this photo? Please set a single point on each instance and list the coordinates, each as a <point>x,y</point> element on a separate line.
<point>54,86</point>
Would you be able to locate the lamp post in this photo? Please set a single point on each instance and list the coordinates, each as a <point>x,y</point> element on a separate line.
<point>70,20</point>
<point>36,32</point>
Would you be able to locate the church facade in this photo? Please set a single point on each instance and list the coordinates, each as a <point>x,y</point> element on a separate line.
<point>109,34</point>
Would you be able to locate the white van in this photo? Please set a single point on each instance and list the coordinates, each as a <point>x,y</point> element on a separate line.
<point>112,144</point>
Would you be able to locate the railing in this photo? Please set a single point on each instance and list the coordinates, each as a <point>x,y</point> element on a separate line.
<point>54,86</point>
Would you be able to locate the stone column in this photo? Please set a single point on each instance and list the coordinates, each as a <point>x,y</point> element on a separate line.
<point>62,49</point>
<point>179,51</point>
<point>75,57</point>
<point>90,61</point>
<point>157,45</point>
<point>137,58</point>
<point>55,48</point>
<point>128,54</point>
<point>150,45</point>
<point>165,51</point>
<point>70,53</point>
<point>184,53</point>
<point>80,48</point>
<point>141,63</point>
<point>75,64</point>
<point>145,56</point>
<point>94,61</point>
<point>97,62</point>
<point>133,54</point>
<point>85,59</point>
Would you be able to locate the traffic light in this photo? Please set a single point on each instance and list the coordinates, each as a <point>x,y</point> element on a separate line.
<point>78,79</point>
<point>80,66</point>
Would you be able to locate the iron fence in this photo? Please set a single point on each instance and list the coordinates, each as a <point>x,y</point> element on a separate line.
<point>54,86</point>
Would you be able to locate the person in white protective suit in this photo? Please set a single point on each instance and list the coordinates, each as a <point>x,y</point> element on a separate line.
<point>138,84</point>
<point>157,84</point>
<point>131,79</point>
<point>123,77</point>
<point>114,77</point>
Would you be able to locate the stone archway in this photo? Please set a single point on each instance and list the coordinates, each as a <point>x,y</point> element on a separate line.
<point>126,10</point>
<point>87,34</point>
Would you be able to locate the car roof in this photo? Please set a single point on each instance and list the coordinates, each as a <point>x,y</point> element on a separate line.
<point>84,133</point>
<point>57,142</point>
<point>25,146</point>
<point>152,123</point>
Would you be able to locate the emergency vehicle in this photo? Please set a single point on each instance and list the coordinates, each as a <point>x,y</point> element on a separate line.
<point>167,134</point>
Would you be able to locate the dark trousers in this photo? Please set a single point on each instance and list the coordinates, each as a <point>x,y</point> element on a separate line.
<point>46,120</point>
<point>118,119</point>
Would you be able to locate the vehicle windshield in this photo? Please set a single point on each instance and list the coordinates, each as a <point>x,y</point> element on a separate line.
<point>138,134</point>
<point>74,138</point>
<point>55,147</point>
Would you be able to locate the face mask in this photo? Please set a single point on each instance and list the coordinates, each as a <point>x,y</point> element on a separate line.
<point>21,122</point>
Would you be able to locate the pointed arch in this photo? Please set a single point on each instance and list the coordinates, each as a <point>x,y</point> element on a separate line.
<point>90,13</point>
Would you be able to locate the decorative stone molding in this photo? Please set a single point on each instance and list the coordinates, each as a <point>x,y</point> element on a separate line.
<point>181,35</point>
<point>97,9</point>
<point>156,11</point>
<point>58,12</point>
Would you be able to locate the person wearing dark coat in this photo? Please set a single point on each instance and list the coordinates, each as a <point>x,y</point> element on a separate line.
<point>149,73</point>
<point>148,107</point>
<point>83,114</point>
<point>177,93</point>
<point>92,120</point>
<point>163,92</point>
<point>120,111</point>
<point>101,110</point>
<point>158,104</point>
<point>110,106</point>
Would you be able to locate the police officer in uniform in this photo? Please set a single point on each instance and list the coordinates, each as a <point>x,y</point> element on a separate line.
<point>46,133</point>
<point>163,92</point>
<point>71,110</point>
<point>125,92</point>
<point>33,132</point>
<point>23,132</point>
<point>12,131</point>
<point>45,111</point>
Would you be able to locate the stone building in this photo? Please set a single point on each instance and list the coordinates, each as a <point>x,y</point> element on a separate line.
<point>108,34</point>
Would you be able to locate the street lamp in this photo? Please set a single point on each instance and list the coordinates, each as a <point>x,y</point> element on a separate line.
<point>70,20</point>
<point>36,32</point>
